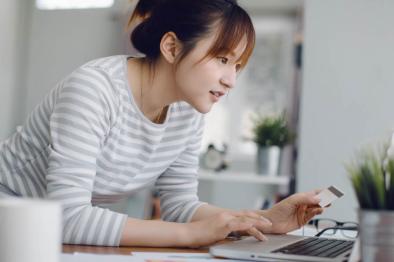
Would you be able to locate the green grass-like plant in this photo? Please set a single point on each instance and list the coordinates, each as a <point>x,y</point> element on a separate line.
<point>271,131</point>
<point>372,177</point>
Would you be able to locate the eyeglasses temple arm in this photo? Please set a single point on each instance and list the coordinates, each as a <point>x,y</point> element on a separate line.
<point>333,228</point>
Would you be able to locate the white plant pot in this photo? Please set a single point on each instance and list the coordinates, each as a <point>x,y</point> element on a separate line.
<point>376,235</point>
<point>268,160</point>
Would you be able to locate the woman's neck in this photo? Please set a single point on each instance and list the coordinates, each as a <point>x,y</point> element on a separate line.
<point>153,88</point>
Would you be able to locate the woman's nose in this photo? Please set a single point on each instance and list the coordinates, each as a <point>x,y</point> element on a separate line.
<point>228,79</point>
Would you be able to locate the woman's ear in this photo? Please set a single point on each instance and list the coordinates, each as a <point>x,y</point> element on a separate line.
<point>170,47</point>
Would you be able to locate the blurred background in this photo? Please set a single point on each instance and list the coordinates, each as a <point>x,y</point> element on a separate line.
<point>326,64</point>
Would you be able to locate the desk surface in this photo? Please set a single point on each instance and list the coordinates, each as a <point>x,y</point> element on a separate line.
<point>126,250</point>
<point>309,231</point>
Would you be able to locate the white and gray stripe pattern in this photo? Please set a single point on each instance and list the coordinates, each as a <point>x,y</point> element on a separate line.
<point>87,143</point>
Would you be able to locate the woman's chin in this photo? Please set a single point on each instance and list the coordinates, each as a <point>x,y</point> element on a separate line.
<point>203,109</point>
<point>201,105</point>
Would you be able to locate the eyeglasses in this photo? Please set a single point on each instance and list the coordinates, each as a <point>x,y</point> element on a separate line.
<point>326,226</point>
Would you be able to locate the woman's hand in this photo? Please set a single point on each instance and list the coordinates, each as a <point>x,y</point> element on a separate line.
<point>219,226</point>
<point>292,212</point>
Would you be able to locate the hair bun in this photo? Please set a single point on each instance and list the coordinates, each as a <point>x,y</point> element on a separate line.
<point>144,39</point>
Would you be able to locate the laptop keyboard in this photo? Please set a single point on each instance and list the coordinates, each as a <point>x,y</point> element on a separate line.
<point>319,247</point>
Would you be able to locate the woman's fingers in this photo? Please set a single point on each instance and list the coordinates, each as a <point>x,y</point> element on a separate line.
<point>251,226</point>
<point>239,225</point>
<point>301,213</point>
<point>305,213</point>
<point>307,198</point>
<point>311,212</point>
<point>257,234</point>
<point>259,221</point>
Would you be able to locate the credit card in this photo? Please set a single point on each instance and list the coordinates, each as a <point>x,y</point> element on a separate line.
<point>328,195</point>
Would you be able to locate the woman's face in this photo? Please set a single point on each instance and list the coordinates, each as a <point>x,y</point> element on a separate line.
<point>201,84</point>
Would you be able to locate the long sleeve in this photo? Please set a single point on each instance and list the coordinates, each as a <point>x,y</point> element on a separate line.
<point>79,124</point>
<point>177,186</point>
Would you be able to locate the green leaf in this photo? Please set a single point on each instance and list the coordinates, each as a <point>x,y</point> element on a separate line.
<point>367,176</point>
<point>390,189</point>
<point>271,131</point>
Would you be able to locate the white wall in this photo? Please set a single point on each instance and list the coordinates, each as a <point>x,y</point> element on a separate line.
<point>40,47</point>
<point>62,40</point>
<point>348,90</point>
<point>13,18</point>
<point>8,16</point>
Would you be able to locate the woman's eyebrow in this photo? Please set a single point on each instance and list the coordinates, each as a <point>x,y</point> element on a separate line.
<point>230,53</point>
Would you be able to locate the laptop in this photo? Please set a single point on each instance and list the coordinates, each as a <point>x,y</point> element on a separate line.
<point>286,248</point>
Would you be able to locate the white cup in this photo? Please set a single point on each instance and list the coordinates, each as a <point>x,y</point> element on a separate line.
<point>30,230</point>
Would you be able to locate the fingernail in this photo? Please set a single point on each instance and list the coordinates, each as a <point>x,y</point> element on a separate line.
<point>263,238</point>
<point>266,220</point>
<point>317,198</point>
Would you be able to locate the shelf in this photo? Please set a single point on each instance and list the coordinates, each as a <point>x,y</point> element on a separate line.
<point>244,178</point>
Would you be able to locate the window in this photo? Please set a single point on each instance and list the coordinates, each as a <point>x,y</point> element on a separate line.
<point>72,4</point>
<point>263,87</point>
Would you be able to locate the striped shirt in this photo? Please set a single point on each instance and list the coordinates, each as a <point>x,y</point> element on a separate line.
<point>87,143</point>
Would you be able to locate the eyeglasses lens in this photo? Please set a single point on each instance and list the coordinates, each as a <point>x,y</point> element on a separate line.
<point>350,233</point>
<point>325,223</point>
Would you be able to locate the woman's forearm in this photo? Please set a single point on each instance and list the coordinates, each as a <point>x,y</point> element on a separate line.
<point>205,211</point>
<point>209,224</point>
<point>155,233</point>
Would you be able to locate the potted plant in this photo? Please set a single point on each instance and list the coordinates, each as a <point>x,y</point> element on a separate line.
<point>372,177</point>
<point>271,135</point>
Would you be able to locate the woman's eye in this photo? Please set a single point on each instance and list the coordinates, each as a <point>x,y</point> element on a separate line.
<point>238,67</point>
<point>223,60</point>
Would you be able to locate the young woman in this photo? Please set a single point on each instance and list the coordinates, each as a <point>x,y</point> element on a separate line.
<point>119,124</point>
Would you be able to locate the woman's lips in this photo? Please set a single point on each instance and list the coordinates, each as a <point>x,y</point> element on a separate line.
<point>215,96</point>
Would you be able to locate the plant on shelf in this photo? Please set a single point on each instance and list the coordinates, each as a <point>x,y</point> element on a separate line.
<point>372,178</point>
<point>271,134</point>
<point>271,131</point>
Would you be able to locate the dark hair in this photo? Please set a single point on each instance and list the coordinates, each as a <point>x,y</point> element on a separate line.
<point>192,20</point>
<point>143,9</point>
